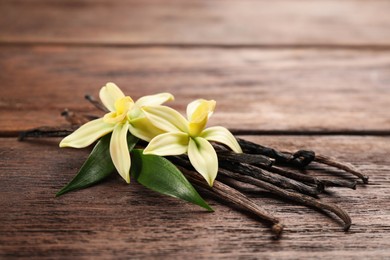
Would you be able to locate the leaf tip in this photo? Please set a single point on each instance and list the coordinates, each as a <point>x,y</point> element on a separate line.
<point>61,192</point>
<point>209,209</point>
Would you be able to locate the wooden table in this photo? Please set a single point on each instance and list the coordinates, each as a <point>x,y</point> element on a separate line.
<point>292,74</point>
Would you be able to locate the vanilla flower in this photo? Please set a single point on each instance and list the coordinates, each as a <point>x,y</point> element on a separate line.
<point>190,136</point>
<point>125,115</point>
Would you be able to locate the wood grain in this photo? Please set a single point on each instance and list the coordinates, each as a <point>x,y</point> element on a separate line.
<point>244,22</point>
<point>120,221</point>
<point>255,89</point>
<point>285,65</point>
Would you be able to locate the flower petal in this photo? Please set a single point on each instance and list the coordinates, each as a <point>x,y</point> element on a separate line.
<point>143,129</point>
<point>109,94</point>
<point>221,135</point>
<point>204,158</point>
<point>200,106</point>
<point>168,144</point>
<point>87,134</point>
<point>154,100</point>
<point>166,118</point>
<point>119,150</point>
<point>198,113</point>
<point>191,107</point>
<point>113,118</point>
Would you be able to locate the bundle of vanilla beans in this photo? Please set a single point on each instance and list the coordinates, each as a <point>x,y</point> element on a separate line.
<point>276,172</point>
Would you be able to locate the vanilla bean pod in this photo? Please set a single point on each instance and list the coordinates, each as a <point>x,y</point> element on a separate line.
<point>294,175</point>
<point>290,195</point>
<point>253,159</point>
<point>278,180</point>
<point>96,103</point>
<point>244,187</point>
<point>75,120</point>
<point>46,132</point>
<point>339,183</point>
<point>255,172</point>
<point>266,163</point>
<point>319,182</point>
<point>231,195</point>
<point>299,159</point>
<point>340,165</point>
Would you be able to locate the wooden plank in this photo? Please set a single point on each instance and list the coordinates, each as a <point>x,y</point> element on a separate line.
<point>281,22</point>
<point>273,89</point>
<point>116,220</point>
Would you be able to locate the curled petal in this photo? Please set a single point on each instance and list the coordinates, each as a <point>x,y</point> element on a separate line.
<point>166,118</point>
<point>87,134</point>
<point>191,107</point>
<point>168,144</point>
<point>119,150</point>
<point>200,108</point>
<point>109,94</point>
<point>113,117</point>
<point>204,158</point>
<point>198,113</point>
<point>220,134</point>
<point>154,100</point>
<point>143,129</point>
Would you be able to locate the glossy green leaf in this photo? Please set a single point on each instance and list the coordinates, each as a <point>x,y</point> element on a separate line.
<point>159,174</point>
<point>97,167</point>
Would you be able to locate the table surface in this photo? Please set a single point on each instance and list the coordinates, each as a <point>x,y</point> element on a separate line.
<point>289,74</point>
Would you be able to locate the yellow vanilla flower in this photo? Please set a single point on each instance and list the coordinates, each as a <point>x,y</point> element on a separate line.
<point>125,115</point>
<point>190,136</point>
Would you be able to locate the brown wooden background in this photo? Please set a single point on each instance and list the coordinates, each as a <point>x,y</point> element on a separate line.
<point>317,70</point>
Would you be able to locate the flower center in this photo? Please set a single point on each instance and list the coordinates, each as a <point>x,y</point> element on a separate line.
<point>122,107</point>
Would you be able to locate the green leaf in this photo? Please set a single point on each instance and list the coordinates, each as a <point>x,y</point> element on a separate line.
<point>98,165</point>
<point>159,174</point>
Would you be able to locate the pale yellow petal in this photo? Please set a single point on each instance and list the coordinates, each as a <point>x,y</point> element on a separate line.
<point>109,94</point>
<point>144,129</point>
<point>191,107</point>
<point>87,134</point>
<point>204,158</point>
<point>200,108</point>
<point>154,100</point>
<point>199,112</point>
<point>119,150</point>
<point>113,118</point>
<point>168,144</point>
<point>221,135</point>
<point>166,118</point>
